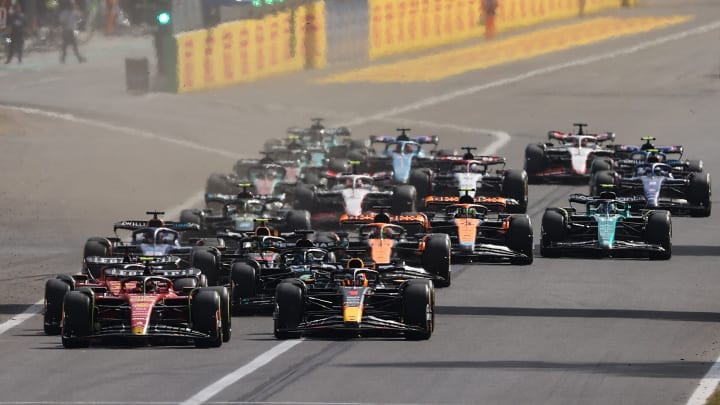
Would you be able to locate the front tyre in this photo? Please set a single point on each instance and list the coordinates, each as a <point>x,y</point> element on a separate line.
<point>418,309</point>
<point>515,186</point>
<point>520,239</point>
<point>436,259</point>
<point>658,231</point>
<point>289,305</point>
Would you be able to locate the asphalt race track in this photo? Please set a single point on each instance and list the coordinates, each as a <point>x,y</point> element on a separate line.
<point>561,331</point>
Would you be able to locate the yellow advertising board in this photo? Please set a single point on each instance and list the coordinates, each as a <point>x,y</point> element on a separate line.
<point>247,50</point>
<point>398,26</point>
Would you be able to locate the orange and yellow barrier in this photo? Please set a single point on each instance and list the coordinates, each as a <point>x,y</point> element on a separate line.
<point>247,50</point>
<point>398,26</point>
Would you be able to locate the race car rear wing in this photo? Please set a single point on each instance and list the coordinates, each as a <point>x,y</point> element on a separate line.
<point>422,140</point>
<point>602,137</point>
<point>493,204</point>
<point>133,225</point>
<point>117,272</point>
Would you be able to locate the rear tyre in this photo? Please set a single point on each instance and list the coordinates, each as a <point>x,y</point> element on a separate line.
<point>520,239</point>
<point>600,164</point>
<point>515,186</point>
<point>244,282</point>
<point>96,246</point>
<point>534,161</point>
<point>658,231</point>
<point>189,216</point>
<point>225,314</point>
<point>436,259</point>
<point>204,309</point>
<point>207,262</point>
<point>598,179</point>
<point>403,199</point>
<point>77,319</point>
<point>699,192</point>
<point>288,310</point>
<point>418,309</point>
<point>554,228</point>
<point>217,183</point>
<point>55,291</point>
<point>421,179</point>
<point>298,220</point>
<point>304,198</point>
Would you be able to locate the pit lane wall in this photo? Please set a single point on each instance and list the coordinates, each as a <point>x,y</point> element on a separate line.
<point>248,50</point>
<point>400,26</point>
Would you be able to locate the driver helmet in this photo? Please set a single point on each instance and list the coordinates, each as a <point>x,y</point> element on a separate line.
<point>653,158</point>
<point>150,286</point>
<point>584,142</point>
<point>388,232</point>
<point>408,148</point>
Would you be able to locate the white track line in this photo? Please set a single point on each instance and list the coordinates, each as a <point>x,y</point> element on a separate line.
<point>431,101</point>
<point>16,320</point>
<point>266,357</point>
<point>501,137</point>
<point>235,376</point>
<point>126,130</point>
<point>707,385</point>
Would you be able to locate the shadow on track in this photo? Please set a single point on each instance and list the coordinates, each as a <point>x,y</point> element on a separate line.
<point>695,250</point>
<point>683,316</point>
<point>664,369</point>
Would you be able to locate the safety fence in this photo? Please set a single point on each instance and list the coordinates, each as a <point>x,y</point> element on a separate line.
<point>323,32</point>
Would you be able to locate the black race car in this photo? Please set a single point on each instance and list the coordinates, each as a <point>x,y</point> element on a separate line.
<point>355,301</point>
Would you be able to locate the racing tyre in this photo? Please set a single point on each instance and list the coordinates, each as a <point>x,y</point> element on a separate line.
<point>600,164</point>
<point>520,238</point>
<point>357,154</point>
<point>180,284</point>
<point>297,220</point>
<point>658,231</point>
<point>288,310</point>
<point>218,183</point>
<point>96,246</point>
<point>55,290</point>
<point>204,309</point>
<point>695,166</point>
<point>598,179</point>
<point>77,320</point>
<point>418,309</point>
<point>515,186</point>
<point>304,198</point>
<point>421,179</point>
<point>189,216</point>
<point>339,165</point>
<point>534,161</point>
<point>207,262</point>
<point>436,258</point>
<point>244,281</point>
<point>699,194</point>
<point>403,199</point>
<point>554,228</point>
<point>225,314</point>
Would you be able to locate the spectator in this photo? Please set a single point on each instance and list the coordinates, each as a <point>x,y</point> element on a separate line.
<point>489,11</point>
<point>17,22</point>
<point>69,19</point>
